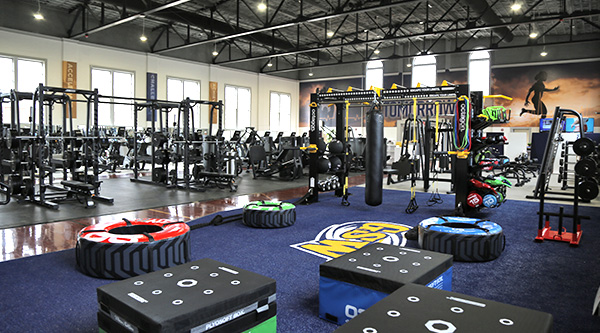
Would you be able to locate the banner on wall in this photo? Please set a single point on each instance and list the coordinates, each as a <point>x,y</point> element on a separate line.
<point>538,90</point>
<point>151,93</point>
<point>531,87</point>
<point>213,96</point>
<point>69,81</point>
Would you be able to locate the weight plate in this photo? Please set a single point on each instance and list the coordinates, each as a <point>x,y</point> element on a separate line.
<point>588,190</point>
<point>587,167</point>
<point>583,146</point>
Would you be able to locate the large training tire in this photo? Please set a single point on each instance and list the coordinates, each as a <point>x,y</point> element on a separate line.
<point>468,239</point>
<point>119,250</point>
<point>269,214</point>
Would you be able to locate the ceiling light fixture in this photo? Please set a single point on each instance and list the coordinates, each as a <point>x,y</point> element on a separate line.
<point>215,52</point>
<point>543,53</point>
<point>262,6</point>
<point>143,37</point>
<point>533,34</point>
<point>515,6</point>
<point>38,15</point>
<point>376,51</point>
<point>329,33</point>
<point>310,73</point>
<point>409,65</point>
<point>270,64</point>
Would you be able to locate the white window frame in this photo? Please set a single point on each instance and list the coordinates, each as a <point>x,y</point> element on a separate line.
<point>424,71</point>
<point>374,74</point>
<point>231,113</point>
<point>479,71</point>
<point>111,107</point>
<point>277,117</point>
<point>196,109</point>
<point>25,105</point>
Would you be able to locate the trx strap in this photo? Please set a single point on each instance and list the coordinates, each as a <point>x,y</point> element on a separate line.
<point>435,198</point>
<point>414,120</point>
<point>345,201</point>
<point>412,204</point>
<point>437,121</point>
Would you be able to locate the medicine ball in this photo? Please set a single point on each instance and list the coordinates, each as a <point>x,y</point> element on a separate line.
<point>336,147</point>
<point>335,163</point>
<point>323,164</point>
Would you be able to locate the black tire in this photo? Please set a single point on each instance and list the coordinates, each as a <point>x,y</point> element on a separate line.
<point>127,259</point>
<point>269,214</point>
<point>467,239</point>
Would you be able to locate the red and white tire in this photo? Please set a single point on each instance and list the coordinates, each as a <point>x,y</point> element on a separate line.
<point>122,249</point>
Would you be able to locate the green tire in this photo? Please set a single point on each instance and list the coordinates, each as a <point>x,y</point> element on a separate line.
<point>269,214</point>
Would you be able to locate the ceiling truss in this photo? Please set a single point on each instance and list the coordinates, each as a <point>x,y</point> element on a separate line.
<point>293,35</point>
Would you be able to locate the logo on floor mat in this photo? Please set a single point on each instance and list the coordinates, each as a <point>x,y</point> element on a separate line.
<point>339,239</point>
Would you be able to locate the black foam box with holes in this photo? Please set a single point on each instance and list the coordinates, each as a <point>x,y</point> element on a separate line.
<point>355,281</point>
<point>200,296</point>
<point>416,308</point>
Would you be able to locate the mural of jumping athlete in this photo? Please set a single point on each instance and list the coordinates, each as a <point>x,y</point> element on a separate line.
<point>538,89</point>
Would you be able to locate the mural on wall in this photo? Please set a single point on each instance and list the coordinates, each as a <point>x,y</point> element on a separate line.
<point>327,113</point>
<point>578,88</point>
<point>537,90</point>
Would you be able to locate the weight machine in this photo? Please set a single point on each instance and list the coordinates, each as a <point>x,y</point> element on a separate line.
<point>33,164</point>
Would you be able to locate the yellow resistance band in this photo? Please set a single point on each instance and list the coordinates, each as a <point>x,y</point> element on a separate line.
<point>346,140</point>
<point>414,120</point>
<point>437,120</point>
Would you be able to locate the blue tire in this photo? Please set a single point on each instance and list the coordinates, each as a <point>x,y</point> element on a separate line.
<point>467,239</point>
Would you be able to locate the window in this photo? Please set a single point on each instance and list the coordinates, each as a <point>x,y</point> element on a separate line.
<point>281,105</point>
<point>24,75</point>
<point>374,76</point>
<point>424,71</point>
<point>237,107</point>
<point>180,89</point>
<point>479,72</point>
<point>114,83</point>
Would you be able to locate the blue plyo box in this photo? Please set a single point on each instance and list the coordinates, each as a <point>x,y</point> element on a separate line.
<point>352,283</point>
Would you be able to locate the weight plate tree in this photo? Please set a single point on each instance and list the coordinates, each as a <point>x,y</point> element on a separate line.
<point>468,239</point>
<point>119,250</point>
<point>269,214</point>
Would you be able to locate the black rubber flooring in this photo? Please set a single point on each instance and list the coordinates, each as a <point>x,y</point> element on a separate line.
<point>130,196</point>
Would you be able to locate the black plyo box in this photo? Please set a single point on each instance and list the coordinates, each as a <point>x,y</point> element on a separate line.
<point>200,296</point>
<point>416,308</point>
<point>385,268</point>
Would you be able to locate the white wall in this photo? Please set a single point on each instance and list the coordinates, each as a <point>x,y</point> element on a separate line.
<point>55,50</point>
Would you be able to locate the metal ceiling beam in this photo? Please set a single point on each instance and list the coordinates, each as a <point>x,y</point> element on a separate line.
<point>575,15</point>
<point>205,23</point>
<point>129,18</point>
<point>288,24</point>
<point>397,57</point>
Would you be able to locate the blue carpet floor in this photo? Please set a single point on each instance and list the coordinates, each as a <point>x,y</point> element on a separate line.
<point>47,294</point>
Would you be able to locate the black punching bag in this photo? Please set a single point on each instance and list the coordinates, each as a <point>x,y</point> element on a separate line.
<point>374,157</point>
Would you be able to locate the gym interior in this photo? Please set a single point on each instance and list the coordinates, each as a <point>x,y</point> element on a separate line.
<point>300,166</point>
